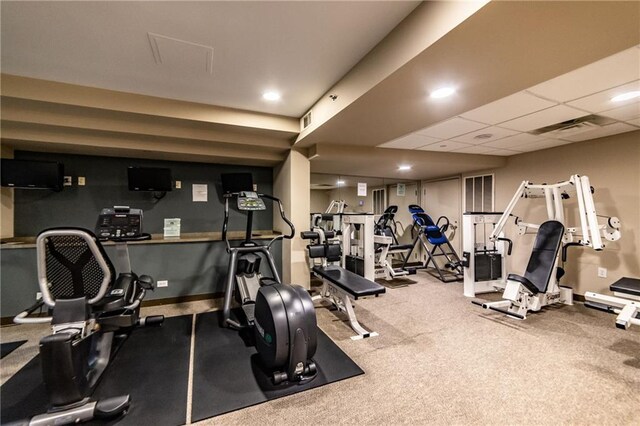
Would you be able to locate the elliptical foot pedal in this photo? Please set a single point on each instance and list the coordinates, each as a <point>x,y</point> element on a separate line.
<point>249,310</point>
<point>112,407</point>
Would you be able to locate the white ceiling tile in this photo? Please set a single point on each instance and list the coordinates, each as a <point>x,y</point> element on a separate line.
<point>453,127</point>
<point>541,144</point>
<point>444,146</point>
<point>513,141</point>
<point>624,113</point>
<point>495,132</point>
<point>611,129</point>
<point>504,152</point>
<point>409,142</point>
<point>546,117</point>
<point>635,121</point>
<point>611,71</point>
<point>602,101</point>
<point>476,149</point>
<point>508,108</point>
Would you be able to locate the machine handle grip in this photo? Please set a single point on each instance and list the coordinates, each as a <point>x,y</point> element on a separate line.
<point>510,244</point>
<point>565,248</point>
<point>445,227</point>
<point>291,234</point>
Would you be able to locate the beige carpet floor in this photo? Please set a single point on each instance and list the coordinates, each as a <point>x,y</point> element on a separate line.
<point>441,360</point>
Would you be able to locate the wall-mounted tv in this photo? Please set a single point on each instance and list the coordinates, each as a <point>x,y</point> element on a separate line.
<point>236,182</point>
<point>149,179</point>
<point>32,174</point>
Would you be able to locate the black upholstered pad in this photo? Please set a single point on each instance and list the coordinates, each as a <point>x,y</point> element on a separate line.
<point>525,282</point>
<point>353,284</point>
<point>400,247</point>
<point>544,253</point>
<point>627,285</point>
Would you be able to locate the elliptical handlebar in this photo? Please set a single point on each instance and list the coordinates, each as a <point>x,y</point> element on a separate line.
<point>282,215</point>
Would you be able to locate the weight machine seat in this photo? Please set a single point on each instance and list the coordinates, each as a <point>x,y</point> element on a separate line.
<point>627,285</point>
<point>353,284</point>
<point>400,247</point>
<point>543,257</point>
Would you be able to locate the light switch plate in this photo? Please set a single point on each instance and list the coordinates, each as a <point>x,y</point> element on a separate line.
<point>81,181</point>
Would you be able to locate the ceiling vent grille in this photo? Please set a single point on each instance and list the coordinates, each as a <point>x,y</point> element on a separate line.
<point>573,127</point>
<point>306,120</point>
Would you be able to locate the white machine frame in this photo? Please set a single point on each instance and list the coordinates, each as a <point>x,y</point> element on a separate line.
<point>470,244</point>
<point>518,301</point>
<point>627,306</point>
<point>383,268</point>
<point>364,244</point>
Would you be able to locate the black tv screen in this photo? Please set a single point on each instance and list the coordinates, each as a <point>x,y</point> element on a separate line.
<point>237,182</point>
<point>149,179</point>
<point>32,174</point>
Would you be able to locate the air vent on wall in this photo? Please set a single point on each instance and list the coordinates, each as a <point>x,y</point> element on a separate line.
<point>306,120</point>
<point>573,127</point>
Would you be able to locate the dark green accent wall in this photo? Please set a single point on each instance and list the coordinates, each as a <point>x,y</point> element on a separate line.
<point>106,186</point>
<point>190,268</point>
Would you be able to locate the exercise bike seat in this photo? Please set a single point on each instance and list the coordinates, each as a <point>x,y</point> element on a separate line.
<point>543,257</point>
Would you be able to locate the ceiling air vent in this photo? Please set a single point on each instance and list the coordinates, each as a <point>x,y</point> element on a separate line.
<point>573,127</point>
<point>306,120</point>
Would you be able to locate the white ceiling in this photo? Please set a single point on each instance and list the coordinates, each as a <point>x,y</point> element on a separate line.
<point>218,53</point>
<point>501,127</point>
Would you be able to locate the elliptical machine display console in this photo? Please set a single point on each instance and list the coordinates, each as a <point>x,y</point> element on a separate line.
<point>282,316</point>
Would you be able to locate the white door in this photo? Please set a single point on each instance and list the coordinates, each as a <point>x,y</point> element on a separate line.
<point>403,217</point>
<point>443,198</point>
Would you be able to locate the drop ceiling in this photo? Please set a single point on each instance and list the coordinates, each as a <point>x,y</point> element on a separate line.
<point>505,126</point>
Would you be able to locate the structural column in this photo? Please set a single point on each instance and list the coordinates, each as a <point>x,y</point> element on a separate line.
<point>291,183</point>
<point>6,198</point>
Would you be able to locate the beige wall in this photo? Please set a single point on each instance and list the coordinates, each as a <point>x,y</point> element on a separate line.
<point>320,199</point>
<point>613,167</point>
<point>291,182</point>
<point>6,198</point>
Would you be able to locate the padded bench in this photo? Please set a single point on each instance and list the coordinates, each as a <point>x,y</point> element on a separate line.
<point>340,287</point>
<point>627,286</point>
<point>353,284</point>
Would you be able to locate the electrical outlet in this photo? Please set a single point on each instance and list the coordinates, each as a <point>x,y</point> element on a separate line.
<point>162,283</point>
<point>602,272</point>
<point>178,184</point>
<point>38,295</point>
<point>81,181</point>
<point>68,181</point>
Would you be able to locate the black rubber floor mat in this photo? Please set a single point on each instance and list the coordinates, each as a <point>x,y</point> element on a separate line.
<point>152,366</point>
<point>7,348</point>
<point>227,375</point>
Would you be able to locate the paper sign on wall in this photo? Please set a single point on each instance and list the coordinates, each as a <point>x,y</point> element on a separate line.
<point>362,189</point>
<point>199,193</point>
<point>400,189</point>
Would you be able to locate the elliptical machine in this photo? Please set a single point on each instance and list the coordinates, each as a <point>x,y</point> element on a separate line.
<point>282,316</point>
<point>91,313</point>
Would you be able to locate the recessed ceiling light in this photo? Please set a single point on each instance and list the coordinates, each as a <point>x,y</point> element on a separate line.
<point>404,168</point>
<point>626,96</point>
<point>340,182</point>
<point>443,92</point>
<point>271,96</point>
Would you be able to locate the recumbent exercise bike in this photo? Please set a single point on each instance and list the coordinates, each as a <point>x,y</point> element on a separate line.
<point>90,311</point>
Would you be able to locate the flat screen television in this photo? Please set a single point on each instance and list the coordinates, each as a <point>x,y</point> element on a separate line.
<point>149,179</point>
<point>237,182</point>
<point>32,174</point>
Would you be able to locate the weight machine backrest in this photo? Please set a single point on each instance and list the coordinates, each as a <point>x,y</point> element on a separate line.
<point>544,254</point>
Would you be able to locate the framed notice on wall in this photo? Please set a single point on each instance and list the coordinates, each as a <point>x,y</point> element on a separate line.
<point>400,189</point>
<point>362,189</point>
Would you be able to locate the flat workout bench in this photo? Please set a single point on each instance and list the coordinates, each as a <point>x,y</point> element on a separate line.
<point>625,302</point>
<point>340,286</point>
